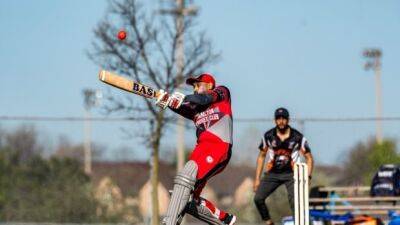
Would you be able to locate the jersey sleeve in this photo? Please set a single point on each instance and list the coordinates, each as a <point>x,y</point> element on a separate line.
<point>263,144</point>
<point>186,110</point>
<point>220,93</point>
<point>199,99</point>
<point>305,148</point>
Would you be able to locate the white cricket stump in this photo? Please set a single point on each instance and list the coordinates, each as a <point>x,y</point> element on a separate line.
<point>301,203</point>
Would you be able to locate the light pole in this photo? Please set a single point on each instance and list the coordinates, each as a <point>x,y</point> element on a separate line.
<point>373,57</point>
<point>91,98</point>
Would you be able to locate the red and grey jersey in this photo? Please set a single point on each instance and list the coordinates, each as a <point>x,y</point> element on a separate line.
<point>281,155</point>
<point>211,114</point>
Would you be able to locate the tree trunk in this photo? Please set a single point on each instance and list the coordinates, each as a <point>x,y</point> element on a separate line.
<point>154,185</point>
<point>155,214</point>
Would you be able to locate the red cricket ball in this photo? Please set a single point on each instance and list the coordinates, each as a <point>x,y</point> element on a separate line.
<point>121,35</point>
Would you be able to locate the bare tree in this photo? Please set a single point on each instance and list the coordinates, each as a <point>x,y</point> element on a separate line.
<point>148,55</point>
<point>247,151</point>
<point>2,136</point>
<point>66,149</point>
<point>24,141</point>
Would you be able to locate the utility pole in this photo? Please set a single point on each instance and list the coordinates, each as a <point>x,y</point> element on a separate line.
<point>180,11</point>
<point>373,57</point>
<point>91,98</point>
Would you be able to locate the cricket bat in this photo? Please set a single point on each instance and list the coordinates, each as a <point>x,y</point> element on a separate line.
<point>127,84</point>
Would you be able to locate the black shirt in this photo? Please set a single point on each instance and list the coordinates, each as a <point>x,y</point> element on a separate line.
<point>281,155</point>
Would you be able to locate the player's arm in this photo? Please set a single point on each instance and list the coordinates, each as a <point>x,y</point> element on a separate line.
<point>259,168</point>
<point>310,163</point>
<point>177,99</point>
<point>199,99</point>
<point>176,103</point>
<point>218,94</point>
<point>305,149</point>
<point>186,110</point>
<point>260,163</point>
<point>187,107</point>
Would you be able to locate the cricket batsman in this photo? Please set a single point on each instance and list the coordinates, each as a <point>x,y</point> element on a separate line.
<point>209,107</point>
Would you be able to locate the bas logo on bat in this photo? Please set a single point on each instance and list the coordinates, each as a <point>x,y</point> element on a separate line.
<point>143,90</point>
<point>127,85</point>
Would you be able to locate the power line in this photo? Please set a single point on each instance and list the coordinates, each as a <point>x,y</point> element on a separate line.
<point>71,119</point>
<point>241,120</point>
<point>321,119</point>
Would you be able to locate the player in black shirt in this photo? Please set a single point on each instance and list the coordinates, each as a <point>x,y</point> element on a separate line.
<point>282,146</point>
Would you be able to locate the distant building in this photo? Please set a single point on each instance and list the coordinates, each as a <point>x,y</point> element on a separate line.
<point>119,185</point>
<point>144,198</point>
<point>110,196</point>
<point>244,193</point>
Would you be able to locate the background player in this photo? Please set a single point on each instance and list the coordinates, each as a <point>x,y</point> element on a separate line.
<point>210,109</point>
<point>282,146</point>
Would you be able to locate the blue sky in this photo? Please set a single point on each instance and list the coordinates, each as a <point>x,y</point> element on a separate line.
<point>304,55</point>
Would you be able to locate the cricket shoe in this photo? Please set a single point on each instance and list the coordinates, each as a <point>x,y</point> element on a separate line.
<point>230,219</point>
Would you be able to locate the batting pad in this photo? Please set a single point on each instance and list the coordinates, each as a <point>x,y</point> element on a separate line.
<point>202,213</point>
<point>183,187</point>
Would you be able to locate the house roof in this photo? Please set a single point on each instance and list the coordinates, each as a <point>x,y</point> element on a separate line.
<point>226,183</point>
<point>131,176</point>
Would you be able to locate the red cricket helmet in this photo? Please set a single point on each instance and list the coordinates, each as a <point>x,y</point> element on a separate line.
<point>204,77</point>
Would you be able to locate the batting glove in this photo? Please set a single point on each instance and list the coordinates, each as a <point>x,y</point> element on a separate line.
<point>163,99</point>
<point>176,100</point>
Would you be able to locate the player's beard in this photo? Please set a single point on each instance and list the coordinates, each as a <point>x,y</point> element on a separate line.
<point>282,130</point>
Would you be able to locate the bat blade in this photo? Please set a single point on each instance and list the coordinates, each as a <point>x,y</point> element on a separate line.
<point>127,84</point>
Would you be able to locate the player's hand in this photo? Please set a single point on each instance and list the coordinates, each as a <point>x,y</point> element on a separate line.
<point>256,184</point>
<point>163,99</point>
<point>176,100</point>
